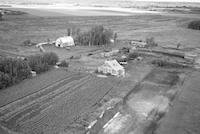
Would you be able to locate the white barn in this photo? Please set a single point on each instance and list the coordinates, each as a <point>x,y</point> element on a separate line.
<point>112,67</point>
<point>66,41</point>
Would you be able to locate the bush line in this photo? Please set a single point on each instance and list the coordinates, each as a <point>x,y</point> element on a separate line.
<point>15,70</point>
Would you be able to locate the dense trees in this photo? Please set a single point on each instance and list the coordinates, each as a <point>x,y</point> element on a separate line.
<point>97,36</point>
<point>194,25</point>
<point>14,70</point>
<point>42,62</point>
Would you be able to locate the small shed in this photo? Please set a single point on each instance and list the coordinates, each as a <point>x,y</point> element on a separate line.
<point>33,73</point>
<point>112,67</point>
<point>66,41</point>
<point>138,44</point>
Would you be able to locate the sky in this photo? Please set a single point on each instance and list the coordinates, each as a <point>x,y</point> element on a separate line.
<point>88,1</point>
<point>172,0</point>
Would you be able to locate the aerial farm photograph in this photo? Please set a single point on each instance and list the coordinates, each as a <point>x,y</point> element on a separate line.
<point>99,66</point>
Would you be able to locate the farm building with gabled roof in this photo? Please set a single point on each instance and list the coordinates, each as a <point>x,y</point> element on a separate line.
<point>112,67</point>
<point>66,41</point>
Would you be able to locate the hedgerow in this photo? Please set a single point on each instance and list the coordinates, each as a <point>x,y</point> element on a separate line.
<point>64,63</point>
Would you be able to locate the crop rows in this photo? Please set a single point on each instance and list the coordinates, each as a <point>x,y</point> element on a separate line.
<point>50,109</point>
<point>38,121</point>
<point>24,101</point>
<point>45,104</point>
<point>39,105</point>
<point>69,106</point>
<point>12,114</point>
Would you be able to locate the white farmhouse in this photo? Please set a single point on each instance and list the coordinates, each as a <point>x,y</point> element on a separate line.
<point>112,67</point>
<point>66,41</point>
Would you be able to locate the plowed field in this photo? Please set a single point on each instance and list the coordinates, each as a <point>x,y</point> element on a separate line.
<point>50,109</point>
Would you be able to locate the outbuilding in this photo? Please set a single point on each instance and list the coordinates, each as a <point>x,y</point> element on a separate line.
<point>112,67</point>
<point>66,41</point>
<point>33,73</point>
<point>138,44</point>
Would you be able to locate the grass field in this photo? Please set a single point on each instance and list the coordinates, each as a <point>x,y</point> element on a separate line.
<point>168,29</point>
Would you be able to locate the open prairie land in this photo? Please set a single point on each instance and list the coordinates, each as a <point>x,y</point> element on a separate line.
<point>166,28</point>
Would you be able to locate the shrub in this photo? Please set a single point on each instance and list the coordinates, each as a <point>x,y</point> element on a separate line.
<point>29,43</point>
<point>194,25</point>
<point>134,55</point>
<point>64,64</point>
<point>151,42</point>
<point>125,50</point>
